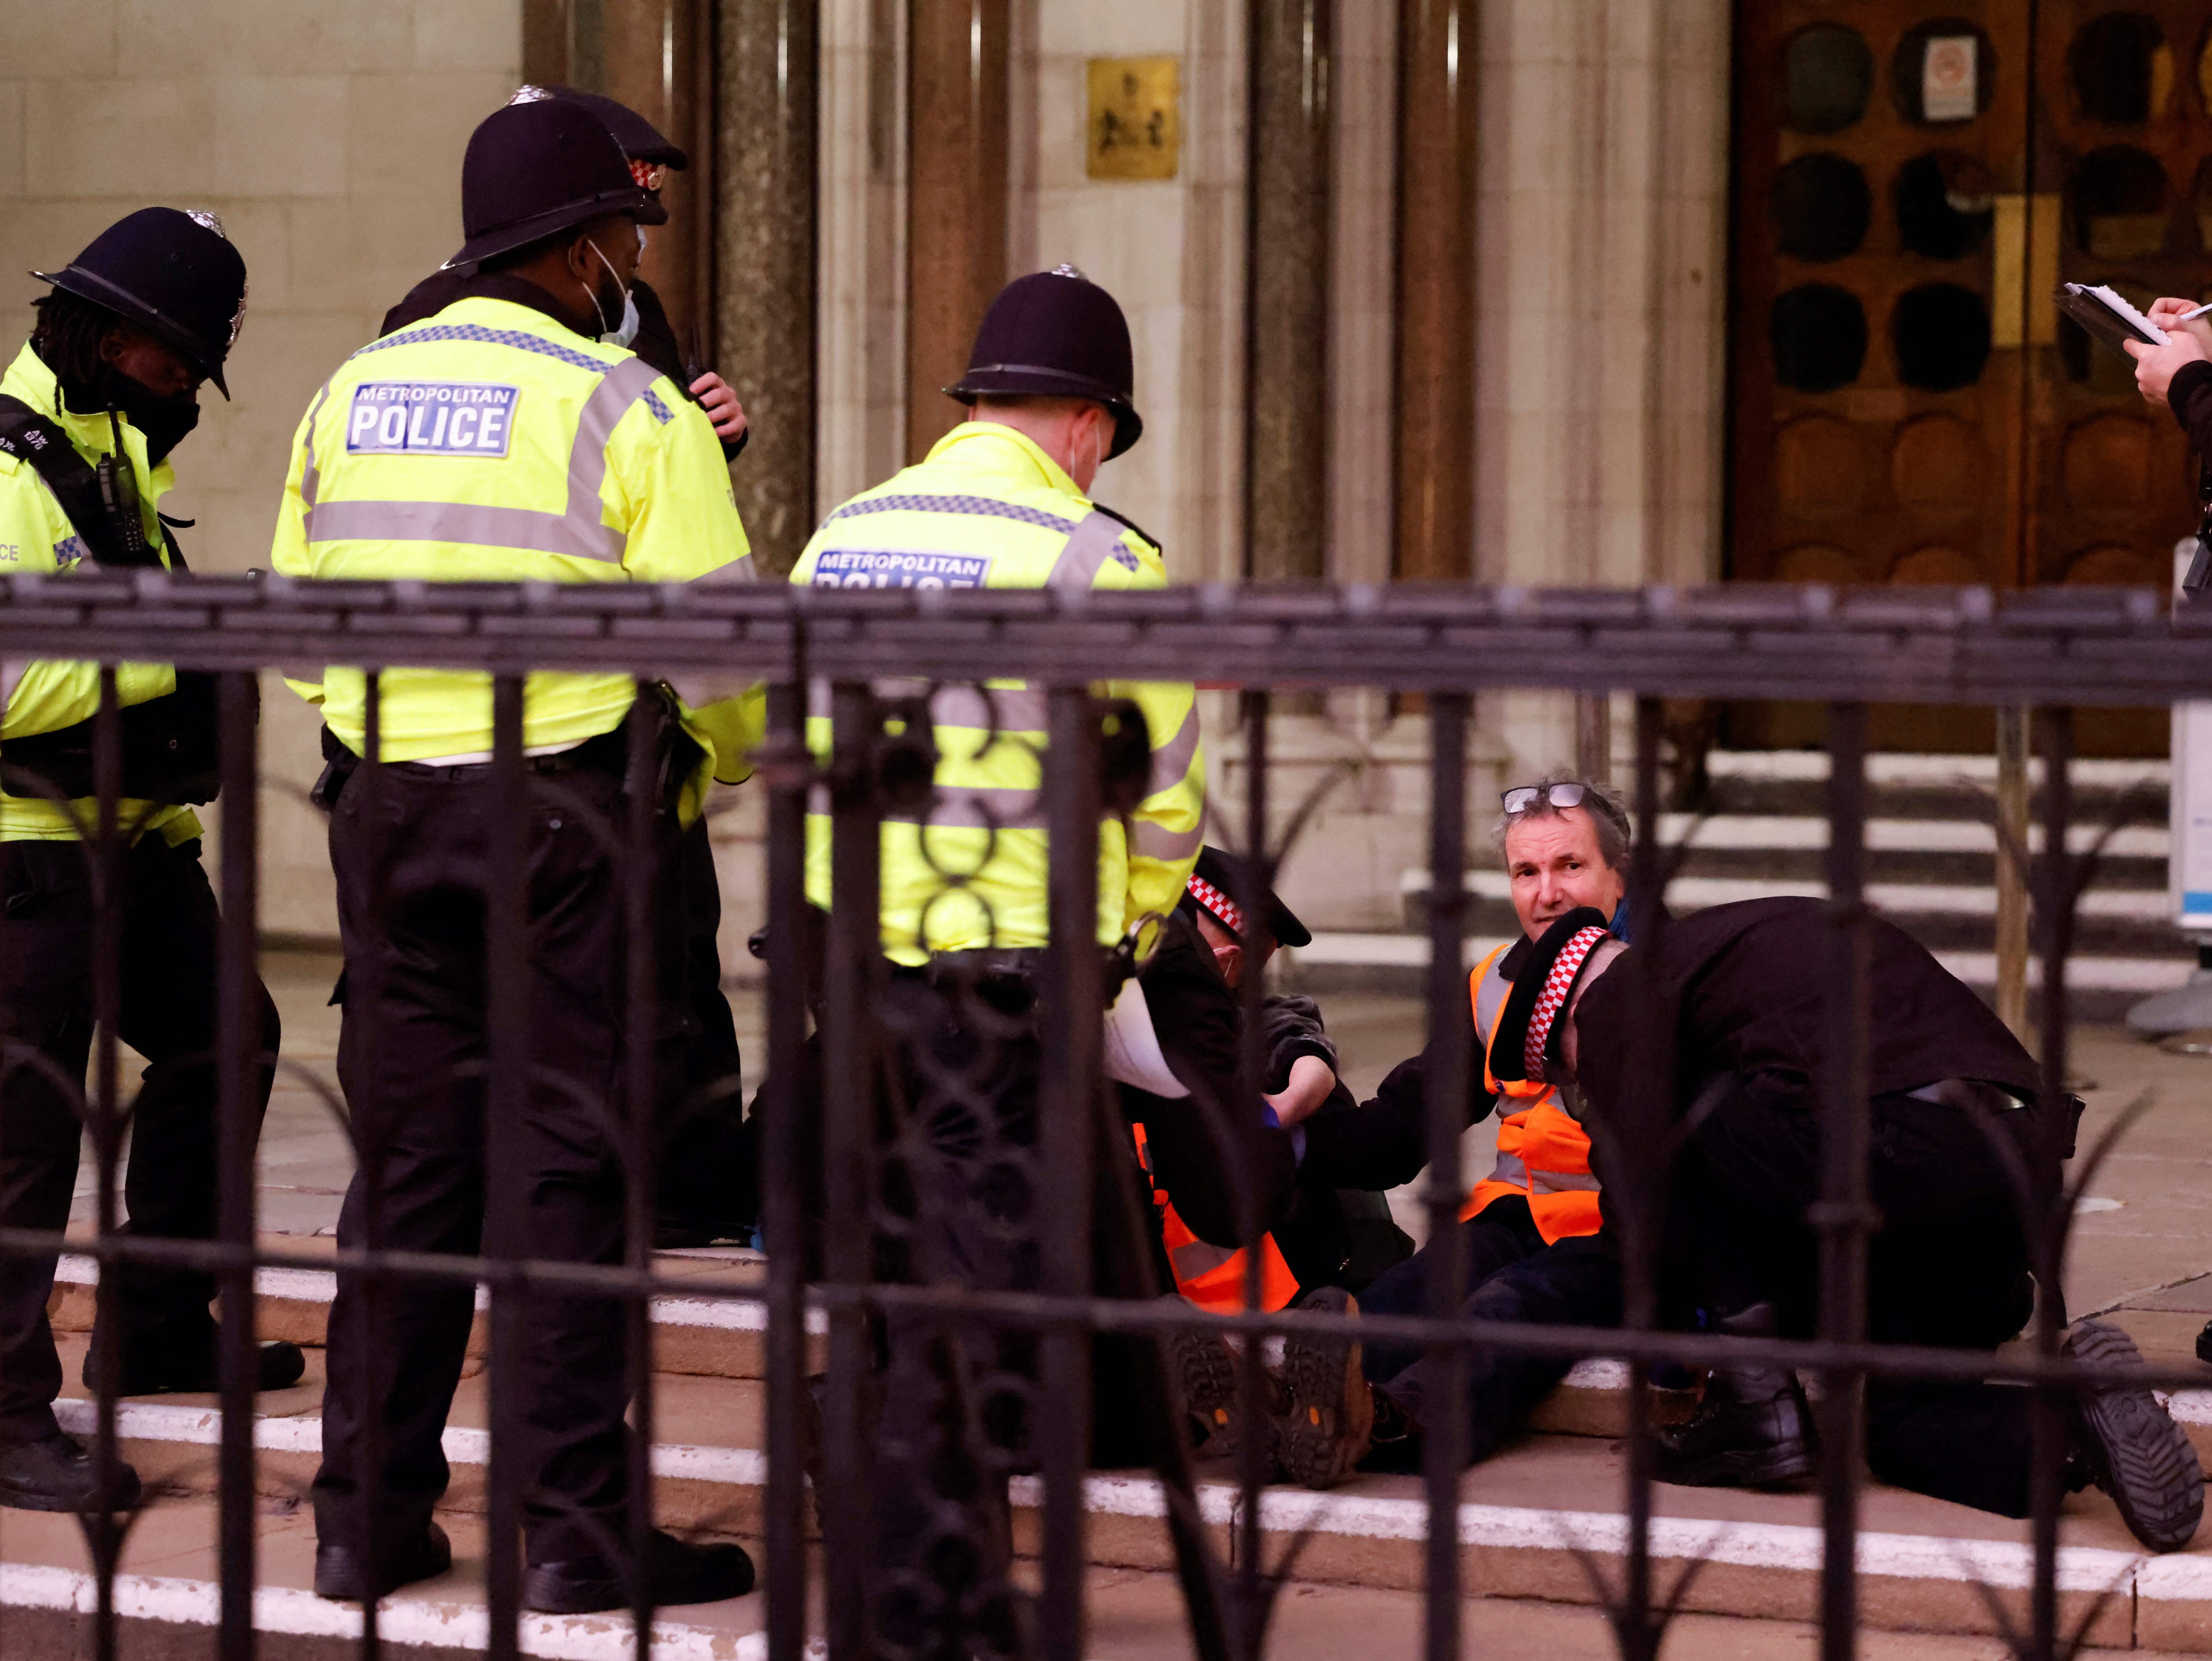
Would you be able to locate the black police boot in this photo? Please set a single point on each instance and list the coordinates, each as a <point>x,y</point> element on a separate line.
<point>1326,1422</point>
<point>677,1572</point>
<point>416,1557</point>
<point>1752,1430</point>
<point>2131,1447</point>
<point>2204,1343</point>
<point>1394,1443</point>
<point>57,1473</point>
<point>156,1365</point>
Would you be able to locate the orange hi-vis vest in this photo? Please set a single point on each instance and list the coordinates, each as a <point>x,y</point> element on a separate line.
<point>1210,1275</point>
<point>1543,1155</point>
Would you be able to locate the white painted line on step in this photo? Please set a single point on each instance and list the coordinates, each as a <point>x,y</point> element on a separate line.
<point>2190,1407</point>
<point>315,1285</point>
<point>1753,1545</point>
<point>145,1422</point>
<point>412,1623</point>
<point>1764,832</point>
<point>1808,765</point>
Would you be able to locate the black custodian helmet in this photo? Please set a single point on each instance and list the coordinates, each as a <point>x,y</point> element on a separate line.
<point>535,169</point>
<point>1056,334</point>
<point>641,140</point>
<point>175,273</point>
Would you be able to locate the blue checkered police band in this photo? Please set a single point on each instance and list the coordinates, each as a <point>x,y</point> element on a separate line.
<point>839,568</point>
<point>431,418</point>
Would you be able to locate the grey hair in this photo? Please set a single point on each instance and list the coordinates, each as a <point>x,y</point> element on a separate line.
<point>1610,821</point>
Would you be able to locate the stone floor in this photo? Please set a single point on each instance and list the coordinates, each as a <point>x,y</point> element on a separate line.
<point>2142,1239</point>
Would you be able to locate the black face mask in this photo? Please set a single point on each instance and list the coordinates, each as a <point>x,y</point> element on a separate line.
<point>163,420</point>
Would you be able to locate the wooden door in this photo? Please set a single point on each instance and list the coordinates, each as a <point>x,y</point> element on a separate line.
<point>1907,406</point>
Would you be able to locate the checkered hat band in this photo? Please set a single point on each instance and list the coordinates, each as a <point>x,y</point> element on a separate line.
<point>1225,910</point>
<point>1554,997</point>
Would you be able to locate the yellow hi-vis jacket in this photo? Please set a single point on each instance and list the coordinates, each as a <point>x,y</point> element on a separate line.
<point>45,695</point>
<point>987,509</point>
<point>491,444</point>
<point>1543,1155</point>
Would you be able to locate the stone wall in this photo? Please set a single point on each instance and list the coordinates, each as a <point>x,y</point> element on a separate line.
<point>327,134</point>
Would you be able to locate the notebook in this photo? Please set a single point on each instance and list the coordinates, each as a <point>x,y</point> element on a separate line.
<point>2107,316</point>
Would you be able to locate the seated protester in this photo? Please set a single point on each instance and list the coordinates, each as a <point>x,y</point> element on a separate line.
<point>1531,1230</point>
<point>1191,986</point>
<point>1746,991</point>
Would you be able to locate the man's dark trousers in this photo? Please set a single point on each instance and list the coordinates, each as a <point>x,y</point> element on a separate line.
<point>167,1013</point>
<point>1948,1268</point>
<point>709,1168</point>
<point>1511,1275</point>
<point>412,846</point>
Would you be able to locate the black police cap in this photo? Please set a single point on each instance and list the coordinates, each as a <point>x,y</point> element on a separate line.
<point>1226,871</point>
<point>536,169</point>
<point>1056,334</point>
<point>641,140</point>
<point>174,273</point>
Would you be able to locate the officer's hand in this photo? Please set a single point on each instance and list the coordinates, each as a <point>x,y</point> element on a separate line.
<point>2166,313</point>
<point>2155,365</point>
<point>721,406</point>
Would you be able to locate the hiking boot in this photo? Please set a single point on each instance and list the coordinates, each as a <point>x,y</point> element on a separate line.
<point>1752,1430</point>
<point>1207,1372</point>
<point>56,1472</point>
<point>1325,1422</point>
<point>2131,1446</point>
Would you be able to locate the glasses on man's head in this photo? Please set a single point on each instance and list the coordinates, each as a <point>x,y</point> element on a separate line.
<point>1526,798</point>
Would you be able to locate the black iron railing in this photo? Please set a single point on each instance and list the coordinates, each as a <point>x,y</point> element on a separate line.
<point>2052,649</point>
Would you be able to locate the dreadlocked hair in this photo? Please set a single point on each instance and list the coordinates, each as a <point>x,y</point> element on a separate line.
<point>68,333</point>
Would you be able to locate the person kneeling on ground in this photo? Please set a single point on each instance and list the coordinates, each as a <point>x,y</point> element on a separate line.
<point>1748,1002</point>
<point>1531,1232</point>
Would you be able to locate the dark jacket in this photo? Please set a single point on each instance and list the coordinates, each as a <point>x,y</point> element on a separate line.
<point>2189,395</point>
<point>1747,987</point>
<point>1203,1154</point>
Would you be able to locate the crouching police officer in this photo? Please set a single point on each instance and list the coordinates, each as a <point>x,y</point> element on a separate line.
<point>502,440</point>
<point>1000,501</point>
<point>89,411</point>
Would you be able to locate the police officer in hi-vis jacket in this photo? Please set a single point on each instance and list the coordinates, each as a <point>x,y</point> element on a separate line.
<point>501,438</point>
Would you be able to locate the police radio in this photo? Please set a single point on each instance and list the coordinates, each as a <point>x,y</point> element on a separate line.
<point>119,498</point>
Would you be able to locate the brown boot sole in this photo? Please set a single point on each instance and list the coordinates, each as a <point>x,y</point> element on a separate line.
<point>1329,1425</point>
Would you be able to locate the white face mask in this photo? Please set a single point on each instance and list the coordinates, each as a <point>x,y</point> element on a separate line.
<point>626,331</point>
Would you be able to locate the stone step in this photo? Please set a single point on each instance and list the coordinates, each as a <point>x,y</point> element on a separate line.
<point>708,1337</point>
<point>166,1599</point>
<point>1533,1523</point>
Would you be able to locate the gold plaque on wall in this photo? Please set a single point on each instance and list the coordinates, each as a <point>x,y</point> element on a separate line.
<point>1135,131</point>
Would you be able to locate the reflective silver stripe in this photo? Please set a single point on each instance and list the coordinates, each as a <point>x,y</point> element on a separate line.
<point>460,522</point>
<point>12,671</point>
<point>311,673</point>
<point>1508,1169</point>
<point>1563,1181</point>
<point>622,386</point>
<point>992,708</point>
<point>1171,760</point>
<point>310,475</point>
<point>1096,539</point>
<point>579,532</point>
<point>1198,1257</point>
<point>699,691</point>
<point>1157,842</point>
<point>1490,995</point>
<point>976,807</point>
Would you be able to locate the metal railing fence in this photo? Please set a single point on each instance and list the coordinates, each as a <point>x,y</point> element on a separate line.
<point>2052,649</point>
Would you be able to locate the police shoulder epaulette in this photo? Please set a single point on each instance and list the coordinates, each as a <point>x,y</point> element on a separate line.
<point>1123,519</point>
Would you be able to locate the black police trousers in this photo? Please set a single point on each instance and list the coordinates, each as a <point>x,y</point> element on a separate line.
<point>1948,1268</point>
<point>1511,1275</point>
<point>411,846</point>
<point>167,1013</point>
<point>709,1163</point>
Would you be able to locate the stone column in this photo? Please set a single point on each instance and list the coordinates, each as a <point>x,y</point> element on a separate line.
<point>656,57</point>
<point>1435,348</point>
<point>956,145</point>
<point>767,65</point>
<point>1291,44</point>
